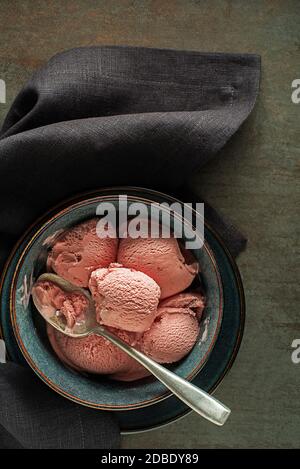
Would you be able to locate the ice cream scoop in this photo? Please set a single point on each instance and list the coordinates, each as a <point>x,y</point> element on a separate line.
<point>175,329</point>
<point>95,354</point>
<point>163,259</point>
<point>190,302</point>
<point>124,298</point>
<point>198,400</point>
<point>79,250</point>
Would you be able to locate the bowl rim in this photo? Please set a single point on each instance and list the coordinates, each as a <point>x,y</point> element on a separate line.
<point>59,211</point>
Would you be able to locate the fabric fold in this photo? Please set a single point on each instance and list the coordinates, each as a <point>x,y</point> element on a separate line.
<point>102,116</point>
<point>48,420</point>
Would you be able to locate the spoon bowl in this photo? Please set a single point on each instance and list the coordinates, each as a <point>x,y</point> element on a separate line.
<point>52,315</point>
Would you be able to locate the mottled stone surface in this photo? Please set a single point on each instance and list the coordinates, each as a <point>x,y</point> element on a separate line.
<point>254,181</point>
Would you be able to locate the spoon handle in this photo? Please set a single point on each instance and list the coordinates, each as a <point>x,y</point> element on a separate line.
<point>198,400</point>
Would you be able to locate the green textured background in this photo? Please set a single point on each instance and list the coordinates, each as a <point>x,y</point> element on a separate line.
<point>254,181</point>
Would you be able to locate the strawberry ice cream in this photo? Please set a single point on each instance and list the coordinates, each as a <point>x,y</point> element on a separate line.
<point>124,298</point>
<point>79,251</point>
<point>95,354</point>
<point>141,299</point>
<point>162,259</point>
<point>187,302</point>
<point>55,301</point>
<point>175,329</point>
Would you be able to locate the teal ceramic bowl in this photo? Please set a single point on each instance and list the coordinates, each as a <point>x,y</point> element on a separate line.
<point>29,328</point>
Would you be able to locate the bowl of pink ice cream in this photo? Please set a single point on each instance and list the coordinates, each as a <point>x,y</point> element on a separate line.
<point>151,292</point>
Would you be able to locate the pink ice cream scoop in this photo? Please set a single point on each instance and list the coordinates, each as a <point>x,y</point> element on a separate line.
<point>79,251</point>
<point>73,306</point>
<point>95,354</point>
<point>124,298</point>
<point>186,302</point>
<point>175,329</point>
<point>172,267</point>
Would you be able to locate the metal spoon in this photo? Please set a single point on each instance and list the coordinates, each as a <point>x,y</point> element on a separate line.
<point>198,400</point>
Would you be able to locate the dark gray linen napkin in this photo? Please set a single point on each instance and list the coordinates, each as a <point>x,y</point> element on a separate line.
<point>32,416</point>
<point>102,116</point>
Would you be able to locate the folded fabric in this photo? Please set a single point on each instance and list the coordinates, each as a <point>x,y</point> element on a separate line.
<point>36,417</point>
<point>103,116</point>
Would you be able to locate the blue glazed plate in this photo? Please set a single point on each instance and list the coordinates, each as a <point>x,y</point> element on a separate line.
<point>220,359</point>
